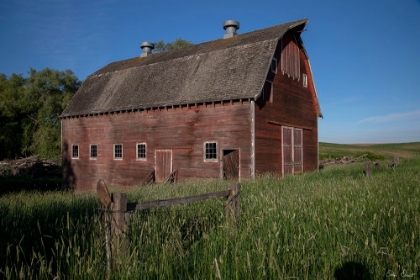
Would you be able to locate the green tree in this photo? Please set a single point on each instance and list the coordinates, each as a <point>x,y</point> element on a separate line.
<point>161,46</point>
<point>29,111</point>
<point>11,118</point>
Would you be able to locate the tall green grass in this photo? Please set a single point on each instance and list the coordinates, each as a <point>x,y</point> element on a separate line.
<point>321,225</point>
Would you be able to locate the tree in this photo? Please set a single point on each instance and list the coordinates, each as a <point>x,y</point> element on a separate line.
<point>10,115</point>
<point>29,111</point>
<point>161,46</point>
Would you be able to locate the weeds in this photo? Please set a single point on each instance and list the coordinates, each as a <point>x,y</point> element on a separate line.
<point>326,224</point>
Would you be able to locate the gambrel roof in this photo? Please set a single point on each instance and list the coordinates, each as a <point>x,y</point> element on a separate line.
<point>220,70</point>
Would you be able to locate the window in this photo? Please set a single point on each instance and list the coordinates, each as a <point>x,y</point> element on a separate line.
<point>75,151</point>
<point>267,92</point>
<point>274,65</point>
<point>305,80</point>
<point>141,151</point>
<point>118,151</point>
<point>210,149</point>
<point>93,151</point>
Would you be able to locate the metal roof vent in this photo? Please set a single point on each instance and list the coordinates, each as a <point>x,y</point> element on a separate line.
<point>147,48</point>
<point>230,26</point>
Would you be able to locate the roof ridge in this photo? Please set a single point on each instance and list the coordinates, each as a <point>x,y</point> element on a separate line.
<point>204,47</point>
<point>228,69</point>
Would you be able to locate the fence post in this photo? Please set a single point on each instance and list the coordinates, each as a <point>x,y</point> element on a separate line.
<point>367,169</point>
<point>396,161</point>
<point>119,229</point>
<point>105,199</point>
<point>107,219</point>
<point>233,204</point>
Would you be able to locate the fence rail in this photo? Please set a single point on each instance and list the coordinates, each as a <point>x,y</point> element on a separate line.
<point>173,201</point>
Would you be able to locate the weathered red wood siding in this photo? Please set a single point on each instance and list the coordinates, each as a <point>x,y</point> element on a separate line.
<point>292,105</point>
<point>182,130</point>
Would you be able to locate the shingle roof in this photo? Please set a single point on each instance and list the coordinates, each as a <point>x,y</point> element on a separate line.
<point>224,69</point>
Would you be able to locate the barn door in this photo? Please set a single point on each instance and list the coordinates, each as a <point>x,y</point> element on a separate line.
<point>292,150</point>
<point>163,164</point>
<point>297,151</point>
<point>287,150</point>
<point>231,164</point>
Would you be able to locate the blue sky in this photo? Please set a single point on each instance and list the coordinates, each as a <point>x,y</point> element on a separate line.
<point>365,55</point>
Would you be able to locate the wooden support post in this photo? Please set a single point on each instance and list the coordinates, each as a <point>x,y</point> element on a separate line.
<point>105,199</point>
<point>107,220</point>
<point>396,161</point>
<point>233,204</point>
<point>367,169</point>
<point>119,229</point>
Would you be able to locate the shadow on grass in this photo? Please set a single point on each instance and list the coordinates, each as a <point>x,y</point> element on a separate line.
<point>352,270</point>
<point>49,230</point>
<point>15,185</point>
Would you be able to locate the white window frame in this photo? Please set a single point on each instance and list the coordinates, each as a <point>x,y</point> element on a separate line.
<point>145,151</point>
<point>72,151</point>
<point>305,80</point>
<point>90,151</point>
<point>114,146</point>
<point>205,152</point>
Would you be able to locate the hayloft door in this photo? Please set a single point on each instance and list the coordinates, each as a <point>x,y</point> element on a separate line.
<point>231,164</point>
<point>163,164</point>
<point>292,150</point>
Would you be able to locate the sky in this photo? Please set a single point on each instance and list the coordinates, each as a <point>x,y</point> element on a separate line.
<point>365,55</point>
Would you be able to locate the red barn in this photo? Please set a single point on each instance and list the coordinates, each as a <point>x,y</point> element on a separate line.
<point>231,108</point>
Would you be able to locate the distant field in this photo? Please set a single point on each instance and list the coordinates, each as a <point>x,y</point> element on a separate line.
<point>403,150</point>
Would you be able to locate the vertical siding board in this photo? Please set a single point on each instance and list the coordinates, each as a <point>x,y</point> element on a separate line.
<point>290,56</point>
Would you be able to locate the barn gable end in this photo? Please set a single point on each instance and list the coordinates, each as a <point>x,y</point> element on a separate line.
<point>286,121</point>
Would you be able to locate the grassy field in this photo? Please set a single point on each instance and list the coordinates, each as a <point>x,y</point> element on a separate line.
<point>335,223</point>
<point>403,150</point>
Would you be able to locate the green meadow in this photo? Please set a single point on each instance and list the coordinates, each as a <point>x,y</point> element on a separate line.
<point>383,151</point>
<point>332,224</point>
